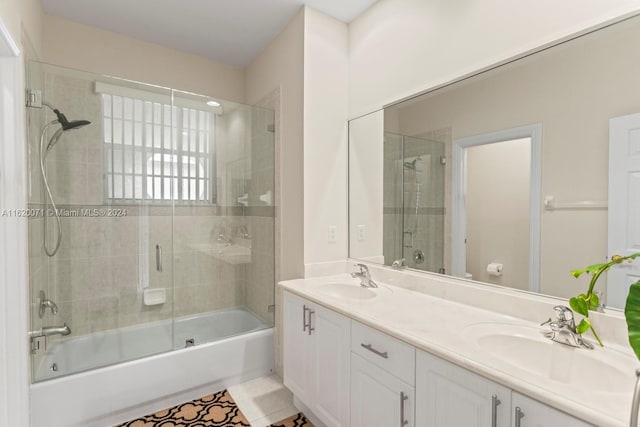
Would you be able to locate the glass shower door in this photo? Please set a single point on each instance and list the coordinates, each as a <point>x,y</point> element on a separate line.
<point>105,290</point>
<point>224,219</point>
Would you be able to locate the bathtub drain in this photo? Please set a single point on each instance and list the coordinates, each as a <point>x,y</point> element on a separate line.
<point>190,342</point>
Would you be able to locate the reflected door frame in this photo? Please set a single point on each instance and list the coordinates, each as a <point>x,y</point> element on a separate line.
<point>459,216</point>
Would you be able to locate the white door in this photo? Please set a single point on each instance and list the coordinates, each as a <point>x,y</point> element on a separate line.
<point>447,395</point>
<point>298,348</point>
<point>378,399</point>
<point>624,204</point>
<point>331,333</point>
<point>532,413</point>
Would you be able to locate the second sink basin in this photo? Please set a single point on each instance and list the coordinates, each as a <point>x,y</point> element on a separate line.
<point>349,291</point>
<point>523,347</point>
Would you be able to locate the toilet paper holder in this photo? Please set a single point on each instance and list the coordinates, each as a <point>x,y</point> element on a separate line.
<point>495,269</point>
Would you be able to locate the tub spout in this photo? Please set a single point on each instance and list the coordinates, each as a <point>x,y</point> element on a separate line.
<point>51,330</point>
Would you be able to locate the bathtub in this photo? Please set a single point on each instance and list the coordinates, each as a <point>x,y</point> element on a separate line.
<point>230,346</point>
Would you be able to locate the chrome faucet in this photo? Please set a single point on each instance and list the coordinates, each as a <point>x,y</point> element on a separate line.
<point>45,331</point>
<point>365,276</point>
<point>221,236</point>
<point>563,329</point>
<point>46,303</point>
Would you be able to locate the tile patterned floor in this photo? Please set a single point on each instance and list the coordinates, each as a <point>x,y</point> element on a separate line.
<point>263,402</point>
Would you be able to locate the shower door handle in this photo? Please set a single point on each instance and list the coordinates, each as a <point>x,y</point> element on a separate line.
<point>159,258</point>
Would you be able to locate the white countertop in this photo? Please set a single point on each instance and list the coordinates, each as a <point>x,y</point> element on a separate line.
<point>444,328</point>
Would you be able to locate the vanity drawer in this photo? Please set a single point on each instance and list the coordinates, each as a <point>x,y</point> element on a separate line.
<point>396,357</point>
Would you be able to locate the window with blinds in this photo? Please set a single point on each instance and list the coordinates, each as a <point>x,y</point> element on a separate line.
<point>140,161</point>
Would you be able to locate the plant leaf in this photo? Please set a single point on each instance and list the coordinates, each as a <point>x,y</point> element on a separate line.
<point>596,267</point>
<point>594,301</point>
<point>632,314</point>
<point>579,305</point>
<point>578,273</point>
<point>583,326</point>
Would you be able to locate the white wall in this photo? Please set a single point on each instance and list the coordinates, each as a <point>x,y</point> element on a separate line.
<point>325,137</point>
<point>78,46</point>
<point>281,65</point>
<point>366,175</point>
<point>23,19</point>
<point>401,47</point>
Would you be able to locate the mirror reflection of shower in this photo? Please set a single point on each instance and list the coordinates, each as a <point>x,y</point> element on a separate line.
<point>413,174</point>
<point>413,197</point>
<point>65,125</point>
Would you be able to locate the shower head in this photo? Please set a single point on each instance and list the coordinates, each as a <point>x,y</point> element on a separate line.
<point>65,123</point>
<point>412,164</point>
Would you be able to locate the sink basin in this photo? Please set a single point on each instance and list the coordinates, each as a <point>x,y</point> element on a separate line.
<point>343,290</point>
<point>524,348</point>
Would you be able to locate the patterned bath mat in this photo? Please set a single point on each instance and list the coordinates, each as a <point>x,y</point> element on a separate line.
<point>297,420</point>
<point>214,410</point>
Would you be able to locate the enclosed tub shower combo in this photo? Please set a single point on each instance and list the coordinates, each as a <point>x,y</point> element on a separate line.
<point>151,234</point>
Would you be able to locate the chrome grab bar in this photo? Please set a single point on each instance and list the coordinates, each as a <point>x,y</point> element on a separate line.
<point>159,258</point>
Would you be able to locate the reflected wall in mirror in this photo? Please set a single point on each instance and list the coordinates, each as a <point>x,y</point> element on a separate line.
<point>418,192</point>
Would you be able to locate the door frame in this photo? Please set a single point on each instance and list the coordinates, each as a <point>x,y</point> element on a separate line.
<point>459,215</point>
<point>14,343</point>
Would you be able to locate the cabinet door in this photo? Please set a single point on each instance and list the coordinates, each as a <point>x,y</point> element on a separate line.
<point>331,333</point>
<point>447,395</point>
<point>378,399</point>
<point>297,349</point>
<point>536,414</point>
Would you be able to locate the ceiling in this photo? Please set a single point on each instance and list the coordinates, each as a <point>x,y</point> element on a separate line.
<point>229,31</point>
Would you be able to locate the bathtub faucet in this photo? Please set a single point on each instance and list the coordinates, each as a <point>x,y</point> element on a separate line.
<point>45,331</point>
<point>46,303</point>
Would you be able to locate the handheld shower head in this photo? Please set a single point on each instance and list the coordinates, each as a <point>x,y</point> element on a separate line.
<point>412,164</point>
<point>65,123</point>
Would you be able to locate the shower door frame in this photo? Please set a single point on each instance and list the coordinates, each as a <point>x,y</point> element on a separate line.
<point>14,394</point>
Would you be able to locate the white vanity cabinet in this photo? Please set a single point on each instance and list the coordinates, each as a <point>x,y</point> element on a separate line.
<point>349,374</point>
<point>382,379</point>
<point>316,359</point>
<point>448,395</point>
<point>532,413</point>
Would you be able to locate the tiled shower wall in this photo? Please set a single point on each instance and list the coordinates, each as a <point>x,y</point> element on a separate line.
<point>404,230</point>
<point>95,276</point>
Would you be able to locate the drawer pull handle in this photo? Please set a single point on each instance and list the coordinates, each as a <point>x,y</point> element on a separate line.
<point>519,416</point>
<point>304,318</point>
<point>635,404</point>
<point>494,410</point>
<point>311,328</point>
<point>403,397</point>
<point>382,354</point>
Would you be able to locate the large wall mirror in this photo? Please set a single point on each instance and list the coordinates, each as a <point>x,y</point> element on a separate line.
<point>514,176</point>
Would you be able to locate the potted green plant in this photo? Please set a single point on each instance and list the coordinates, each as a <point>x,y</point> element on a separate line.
<point>589,301</point>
